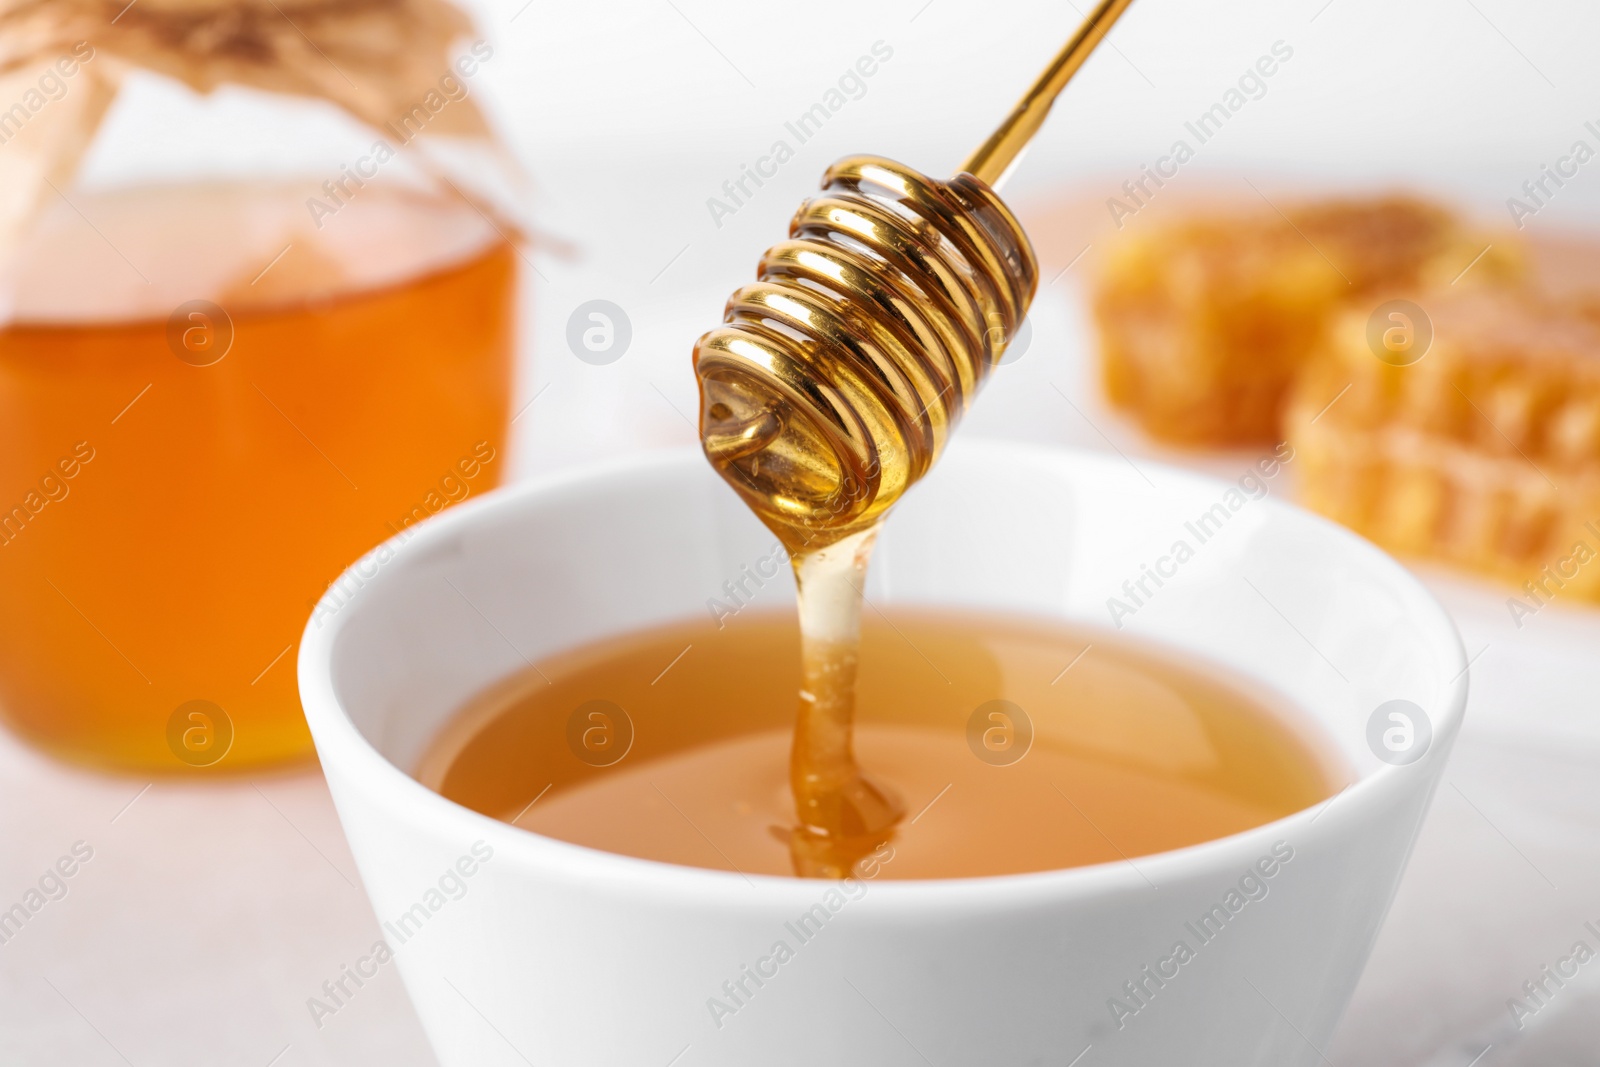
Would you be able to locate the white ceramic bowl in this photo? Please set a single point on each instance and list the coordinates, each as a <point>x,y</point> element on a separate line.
<point>519,949</point>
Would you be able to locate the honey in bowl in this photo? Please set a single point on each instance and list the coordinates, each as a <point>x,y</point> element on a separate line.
<point>1013,743</point>
<point>210,405</point>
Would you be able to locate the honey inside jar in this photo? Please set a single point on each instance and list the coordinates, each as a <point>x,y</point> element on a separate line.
<point>210,405</point>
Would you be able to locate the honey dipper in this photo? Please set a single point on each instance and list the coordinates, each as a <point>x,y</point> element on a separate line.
<point>832,387</point>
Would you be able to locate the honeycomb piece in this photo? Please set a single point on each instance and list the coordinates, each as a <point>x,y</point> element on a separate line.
<point>1204,322</point>
<point>1485,453</point>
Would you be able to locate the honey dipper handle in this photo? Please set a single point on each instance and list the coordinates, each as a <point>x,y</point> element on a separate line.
<point>990,161</point>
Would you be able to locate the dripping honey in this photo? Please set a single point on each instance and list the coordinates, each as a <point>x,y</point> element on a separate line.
<point>831,388</point>
<point>1134,750</point>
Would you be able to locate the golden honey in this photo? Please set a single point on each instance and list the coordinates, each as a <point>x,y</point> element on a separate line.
<point>1013,744</point>
<point>167,521</point>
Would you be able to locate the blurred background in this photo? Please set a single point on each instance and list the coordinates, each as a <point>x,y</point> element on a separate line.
<point>210,912</point>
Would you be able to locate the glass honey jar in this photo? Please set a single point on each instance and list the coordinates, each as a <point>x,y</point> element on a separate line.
<point>216,394</point>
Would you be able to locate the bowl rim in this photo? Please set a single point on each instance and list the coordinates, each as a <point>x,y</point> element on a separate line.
<point>342,745</point>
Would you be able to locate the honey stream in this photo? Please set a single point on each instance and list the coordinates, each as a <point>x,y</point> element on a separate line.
<point>833,386</point>
<point>844,815</point>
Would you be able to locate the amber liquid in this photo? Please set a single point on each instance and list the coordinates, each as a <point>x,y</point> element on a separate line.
<point>182,560</point>
<point>673,744</point>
